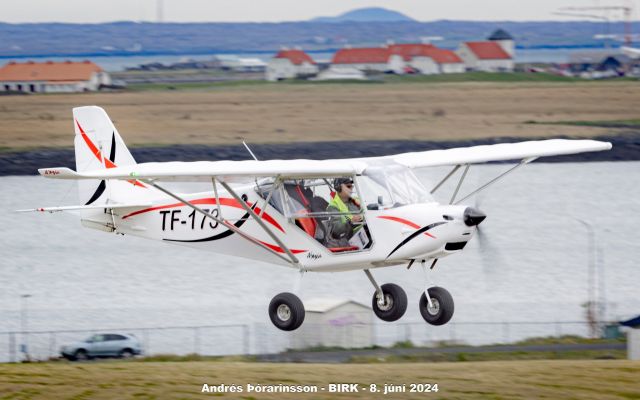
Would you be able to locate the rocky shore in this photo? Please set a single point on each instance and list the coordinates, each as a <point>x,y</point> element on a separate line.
<point>625,148</point>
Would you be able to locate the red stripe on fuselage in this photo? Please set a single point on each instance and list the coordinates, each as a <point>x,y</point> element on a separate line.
<point>212,201</point>
<point>406,222</point>
<point>279,249</point>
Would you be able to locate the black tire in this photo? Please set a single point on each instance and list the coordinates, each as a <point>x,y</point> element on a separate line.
<point>396,300</point>
<point>286,311</point>
<point>442,306</point>
<point>126,354</point>
<point>81,355</point>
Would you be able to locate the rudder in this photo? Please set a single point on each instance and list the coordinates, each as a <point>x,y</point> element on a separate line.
<point>98,145</point>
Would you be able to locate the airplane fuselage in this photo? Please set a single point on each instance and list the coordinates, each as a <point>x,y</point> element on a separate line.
<point>416,231</point>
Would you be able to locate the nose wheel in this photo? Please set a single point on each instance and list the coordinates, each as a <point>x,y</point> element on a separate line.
<point>440,310</point>
<point>286,311</point>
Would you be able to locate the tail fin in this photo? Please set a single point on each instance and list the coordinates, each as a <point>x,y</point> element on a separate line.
<point>98,145</point>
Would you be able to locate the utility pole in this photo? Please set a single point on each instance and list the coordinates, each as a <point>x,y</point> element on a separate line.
<point>160,11</point>
<point>592,312</point>
<point>626,10</point>
<point>24,347</point>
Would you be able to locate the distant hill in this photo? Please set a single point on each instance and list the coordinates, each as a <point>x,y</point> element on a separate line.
<point>372,14</point>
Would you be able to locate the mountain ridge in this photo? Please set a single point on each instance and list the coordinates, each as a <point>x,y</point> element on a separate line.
<point>134,38</point>
<point>369,14</point>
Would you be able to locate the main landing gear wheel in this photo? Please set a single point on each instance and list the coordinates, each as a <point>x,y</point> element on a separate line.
<point>395,303</point>
<point>286,311</point>
<point>442,306</point>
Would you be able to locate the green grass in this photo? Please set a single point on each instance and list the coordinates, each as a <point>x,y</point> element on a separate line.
<point>620,123</point>
<point>585,379</point>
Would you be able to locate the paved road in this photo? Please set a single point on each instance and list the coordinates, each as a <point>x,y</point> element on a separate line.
<point>345,356</point>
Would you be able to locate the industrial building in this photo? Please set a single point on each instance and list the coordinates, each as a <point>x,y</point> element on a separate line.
<point>335,323</point>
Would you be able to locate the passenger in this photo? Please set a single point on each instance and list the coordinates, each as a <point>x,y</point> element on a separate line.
<point>343,227</point>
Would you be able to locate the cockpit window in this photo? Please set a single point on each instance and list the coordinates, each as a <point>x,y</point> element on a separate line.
<point>392,185</point>
<point>312,204</point>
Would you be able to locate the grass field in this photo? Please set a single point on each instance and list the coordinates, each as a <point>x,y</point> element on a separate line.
<point>413,108</point>
<point>604,379</point>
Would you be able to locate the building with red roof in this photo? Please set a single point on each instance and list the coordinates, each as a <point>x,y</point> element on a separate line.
<point>400,59</point>
<point>288,64</point>
<point>493,55</point>
<point>378,59</point>
<point>429,59</point>
<point>52,77</point>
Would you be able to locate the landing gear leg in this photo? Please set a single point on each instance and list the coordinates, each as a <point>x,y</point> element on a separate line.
<point>389,301</point>
<point>436,304</point>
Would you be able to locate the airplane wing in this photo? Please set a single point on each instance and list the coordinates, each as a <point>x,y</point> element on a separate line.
<point>297,169</point>
<point>498,152</point>
<point>222,170</point>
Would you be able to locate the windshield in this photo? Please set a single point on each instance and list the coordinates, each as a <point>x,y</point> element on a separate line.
<point>392,185</point>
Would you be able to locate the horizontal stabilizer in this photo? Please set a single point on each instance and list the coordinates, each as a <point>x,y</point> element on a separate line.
<point>58,173</point>
<point>84,207</point>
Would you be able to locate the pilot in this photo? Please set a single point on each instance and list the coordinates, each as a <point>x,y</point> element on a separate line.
<point>343,227</point>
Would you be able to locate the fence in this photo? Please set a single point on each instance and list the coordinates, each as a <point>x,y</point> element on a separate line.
<point>219,340</point>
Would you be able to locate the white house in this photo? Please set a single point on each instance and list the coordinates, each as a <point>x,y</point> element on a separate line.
<point>52,77</point>
<point>505,40</point>
<point>416,57</point>
<point>485,56</point>
<point>428,59</point>
<point>374,59</point>
<point>496,54</point>
<point>334,323</point>
<point>289,64</point>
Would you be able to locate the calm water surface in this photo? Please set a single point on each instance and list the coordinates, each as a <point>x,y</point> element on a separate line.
<point>531,267</point>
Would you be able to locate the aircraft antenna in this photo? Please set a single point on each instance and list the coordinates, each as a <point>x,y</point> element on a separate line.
<point>249,150</point>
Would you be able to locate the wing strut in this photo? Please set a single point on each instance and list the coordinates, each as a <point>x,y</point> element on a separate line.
<point>521,163</point>
<point>220,220</point>
<point>293,259</point>
<point>215,192</point>
<point>276,185</point>
<point>453,171</point>
<point>464,174</point>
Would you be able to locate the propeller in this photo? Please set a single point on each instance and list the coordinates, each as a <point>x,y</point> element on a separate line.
<point>489,253</point>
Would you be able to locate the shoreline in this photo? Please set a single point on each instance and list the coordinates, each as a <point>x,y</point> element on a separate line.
<point>626,147</point>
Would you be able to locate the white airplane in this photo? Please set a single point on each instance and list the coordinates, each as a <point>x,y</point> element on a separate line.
<point>276,211</point>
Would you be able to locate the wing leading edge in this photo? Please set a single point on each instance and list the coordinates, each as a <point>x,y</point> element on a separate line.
<point>237,170</point>
<point>498,152</point>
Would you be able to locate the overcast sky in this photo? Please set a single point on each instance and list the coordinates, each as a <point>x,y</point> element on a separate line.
<point>286,10</point>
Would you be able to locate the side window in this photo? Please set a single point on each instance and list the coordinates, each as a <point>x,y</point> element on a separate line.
<point>311,204</point>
